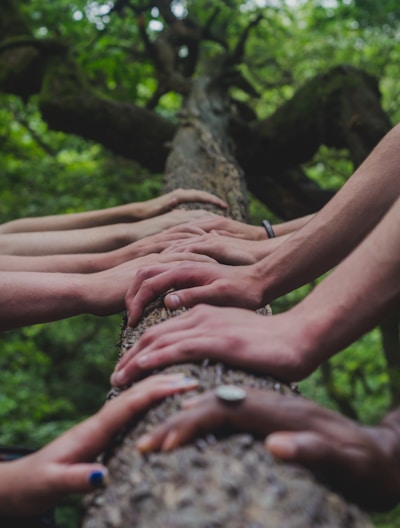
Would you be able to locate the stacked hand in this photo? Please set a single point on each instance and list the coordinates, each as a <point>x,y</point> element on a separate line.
<point>362,462</point>
<point>35,483</point>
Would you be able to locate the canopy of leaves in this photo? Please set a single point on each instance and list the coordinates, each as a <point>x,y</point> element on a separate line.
<point>45,171</point>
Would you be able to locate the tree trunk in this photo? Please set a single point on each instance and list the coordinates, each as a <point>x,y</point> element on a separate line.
<point>217,481</point>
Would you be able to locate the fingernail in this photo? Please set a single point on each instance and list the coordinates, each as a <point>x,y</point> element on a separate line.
<point>144,443</point>
<point>281,446</point>
<point>118,378</point>
<point>172,301</point>
<point>98,479</point>
<point>142,360</point>
<point>170,441</point>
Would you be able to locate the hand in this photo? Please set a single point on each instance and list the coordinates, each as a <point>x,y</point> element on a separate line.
<point>225,249</point>
<point>104,292</point>
<point>210,283</point>
<point>168,201</point>
<point>35,483</point>
<point>228,227</point>
<point>145,246</point>
<point>360,462</point>
<point>155,224</point>
<point>273,345</point>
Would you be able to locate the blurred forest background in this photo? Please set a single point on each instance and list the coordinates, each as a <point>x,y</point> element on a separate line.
<point>53,375</point>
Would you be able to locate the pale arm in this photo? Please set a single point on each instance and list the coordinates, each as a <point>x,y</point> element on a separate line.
<point>33,297</point>
<point>93,239</point>
<point>131,212</point>
<point>356,295</point>
<point>324,241</point>
<point>345,305</point>
<point>340,226</point>
<point>93,262</point>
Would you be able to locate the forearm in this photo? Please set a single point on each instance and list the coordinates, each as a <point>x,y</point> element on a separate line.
<point>356,295</point>
<point>62,222</point>
<point>30,298</point>
<point>91,240</point>
<point>340,226</point>
<point>79,263</point>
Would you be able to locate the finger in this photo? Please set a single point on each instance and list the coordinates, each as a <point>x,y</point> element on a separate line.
<point>311,449</point>
<point>203,196</point>
<point>222,232</point>
<point>185,425</point>
<point>186,298</point>
<point>89,438</point>
<point>188,229</point>
<point>149,283</point>
<point>152,336</point>
<point>79,478</point>
<point>190,349</point>
<point>179,257</point>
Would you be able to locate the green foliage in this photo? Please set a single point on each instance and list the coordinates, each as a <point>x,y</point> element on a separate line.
<point>54,375</point>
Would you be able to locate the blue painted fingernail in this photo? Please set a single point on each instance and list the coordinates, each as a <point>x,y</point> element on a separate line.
<point>98,479</point>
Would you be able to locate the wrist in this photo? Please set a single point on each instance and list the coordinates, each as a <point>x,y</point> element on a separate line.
<point>310,332</point>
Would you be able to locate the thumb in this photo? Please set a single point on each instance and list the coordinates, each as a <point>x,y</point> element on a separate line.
<point>190,297</point>
<point>82,478</point>
<point>307,448</point>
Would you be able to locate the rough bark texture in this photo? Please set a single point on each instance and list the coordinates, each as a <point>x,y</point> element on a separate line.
<point>215,482</point>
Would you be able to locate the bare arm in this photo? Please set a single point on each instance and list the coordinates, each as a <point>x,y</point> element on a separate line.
<point>126,213</point>
<point>340,226</point>
<point>318,246</point>
<point>34,297</point>
<point>93,239</point>
<point>94,262</point>
<point>346,304</point>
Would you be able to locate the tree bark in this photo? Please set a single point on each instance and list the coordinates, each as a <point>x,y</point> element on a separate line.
<point>224,481</point>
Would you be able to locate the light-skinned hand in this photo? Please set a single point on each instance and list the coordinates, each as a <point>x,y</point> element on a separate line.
<point>274,345</point>
<point>35,483</point>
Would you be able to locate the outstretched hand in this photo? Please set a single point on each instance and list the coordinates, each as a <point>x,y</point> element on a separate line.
<point>272,345</point>
<point>168,201</point>
<point>35,483</point>
<point>196,283</point>
<point>360,462</point>
<point>225,249</point>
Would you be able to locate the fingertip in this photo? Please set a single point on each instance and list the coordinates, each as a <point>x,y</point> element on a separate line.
<point>117,378</point>
<point>99,478</point>
<point>282,445</point>
<point>144,444</point>
<point>172,301</point>
<point>81,478</point>
<point>171,441</point>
